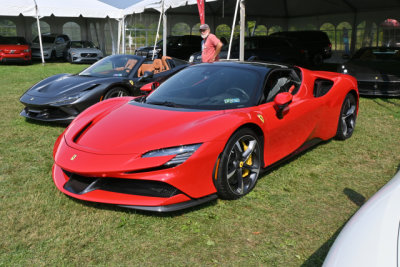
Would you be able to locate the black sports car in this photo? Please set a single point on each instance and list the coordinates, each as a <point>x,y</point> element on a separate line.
<point>62,97</point>
<point>377,70</point>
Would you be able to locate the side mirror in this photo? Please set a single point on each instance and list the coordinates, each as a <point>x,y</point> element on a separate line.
<point>146,75</point>
<point>282,101</point>
<point>149,87</point>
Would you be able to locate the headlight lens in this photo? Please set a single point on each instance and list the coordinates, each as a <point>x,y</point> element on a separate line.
<point>344,70</point>
<point>191,59</point>
<point>69,99</point>
<point>182,153</point>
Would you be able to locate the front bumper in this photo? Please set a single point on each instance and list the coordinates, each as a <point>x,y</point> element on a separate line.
<point>379,88</point>
<point>85,59</point>
<point>37,55</point>
<point>134,182</point>
<point>15,58</point>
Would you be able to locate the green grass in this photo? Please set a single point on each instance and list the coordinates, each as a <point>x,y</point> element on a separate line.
<point>290,219</point>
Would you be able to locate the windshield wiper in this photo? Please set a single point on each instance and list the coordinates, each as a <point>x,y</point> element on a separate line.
<point>165,103</point>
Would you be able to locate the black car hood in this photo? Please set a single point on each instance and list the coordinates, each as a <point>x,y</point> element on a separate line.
<point>367,69</point>
<point>64,84</point>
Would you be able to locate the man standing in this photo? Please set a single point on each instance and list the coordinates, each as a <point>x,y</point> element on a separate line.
<point>210,46</point>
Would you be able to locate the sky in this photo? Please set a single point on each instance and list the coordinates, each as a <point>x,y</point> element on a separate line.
<point>120,3</point>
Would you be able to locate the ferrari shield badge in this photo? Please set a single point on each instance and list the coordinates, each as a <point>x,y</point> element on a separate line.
<point>131,82</point>
<point>261,118</point>
<point>73,157</point>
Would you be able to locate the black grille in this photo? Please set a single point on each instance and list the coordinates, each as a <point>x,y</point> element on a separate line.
<point>78,184</point>
<point>45,113</point>
<point>379,87</point>
<point>88,55</point>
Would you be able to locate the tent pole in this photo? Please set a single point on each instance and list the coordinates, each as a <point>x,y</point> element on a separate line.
<point>233,30</point>
<point>242,29</point>
<point>158,30</point>
<point>165,32</point>
<point>39,32</point>
<point>123,35</point>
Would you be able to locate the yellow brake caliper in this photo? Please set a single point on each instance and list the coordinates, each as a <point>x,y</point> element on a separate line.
<point>249,161</point>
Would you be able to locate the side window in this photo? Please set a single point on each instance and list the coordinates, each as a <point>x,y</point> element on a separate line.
<point>60,40</point>
<point>281,80</point>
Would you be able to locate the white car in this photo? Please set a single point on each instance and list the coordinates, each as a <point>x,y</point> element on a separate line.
<point>371,237</point>
<point>54,46</point>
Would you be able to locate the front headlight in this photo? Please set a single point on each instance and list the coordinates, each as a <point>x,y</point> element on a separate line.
<point>182,153</point>
<point>191,59</point>
<point>69,99</point>
<point>344,70</point>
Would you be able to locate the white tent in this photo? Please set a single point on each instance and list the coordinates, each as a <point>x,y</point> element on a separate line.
<point>47,8</point>
<point>70,8</point>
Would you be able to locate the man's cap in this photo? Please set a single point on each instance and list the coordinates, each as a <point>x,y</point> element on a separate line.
<point>204,27</point>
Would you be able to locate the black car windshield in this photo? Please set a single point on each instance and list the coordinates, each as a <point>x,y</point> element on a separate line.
<point>45,39</point>
<point>82,44</point>
<point>112,66</point>
<point>209,87</point>
<point>379,53</point>
<point>13,40</point>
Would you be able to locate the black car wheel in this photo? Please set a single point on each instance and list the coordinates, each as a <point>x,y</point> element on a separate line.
<point>347,119</point>
<point>53,56</point>
<point>317,59</point>
<point>69,58</point>
<point>239,166</point>
<point>116,92</point>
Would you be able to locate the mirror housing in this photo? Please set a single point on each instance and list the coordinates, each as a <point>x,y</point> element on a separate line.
<point>282,101</point>
<point>146,75</point>
<point>149,87</point>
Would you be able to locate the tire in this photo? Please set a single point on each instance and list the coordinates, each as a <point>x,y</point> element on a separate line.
<point>53,56</point>
<point>239,166</point>
<point>347,118</point>
<point>69,58</point>
<point>116,92</point>
<point>317,59</point>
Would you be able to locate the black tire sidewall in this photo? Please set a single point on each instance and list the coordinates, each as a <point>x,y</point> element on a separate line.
<point>112,90</point>
<point>339,132</point>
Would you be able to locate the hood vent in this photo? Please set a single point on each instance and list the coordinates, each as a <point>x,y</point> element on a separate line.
<point>80,133</point>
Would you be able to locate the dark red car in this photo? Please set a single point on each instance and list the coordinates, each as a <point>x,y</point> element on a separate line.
<point>15,49</point>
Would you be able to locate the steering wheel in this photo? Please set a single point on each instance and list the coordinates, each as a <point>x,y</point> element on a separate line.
<point>238,92</point>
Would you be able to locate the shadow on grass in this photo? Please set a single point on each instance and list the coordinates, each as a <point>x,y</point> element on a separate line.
<point>172,214</point>
<point>318,257</point>
<point>354,196</point>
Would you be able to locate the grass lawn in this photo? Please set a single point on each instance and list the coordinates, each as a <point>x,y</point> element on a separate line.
<point>290,219</point>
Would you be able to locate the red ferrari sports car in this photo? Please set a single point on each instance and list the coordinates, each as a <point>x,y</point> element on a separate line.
<point>204,133</point>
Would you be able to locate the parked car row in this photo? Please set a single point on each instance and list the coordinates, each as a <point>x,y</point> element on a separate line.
<point>294,47</point>
<point>55,46</point>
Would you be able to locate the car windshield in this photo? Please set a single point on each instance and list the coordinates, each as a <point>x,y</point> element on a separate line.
<point>380,53</point>
<point>45,39</point>
<point>13,40</point>
<point>112,66</point>
<point>209,87</point>
<point>82,44</point>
